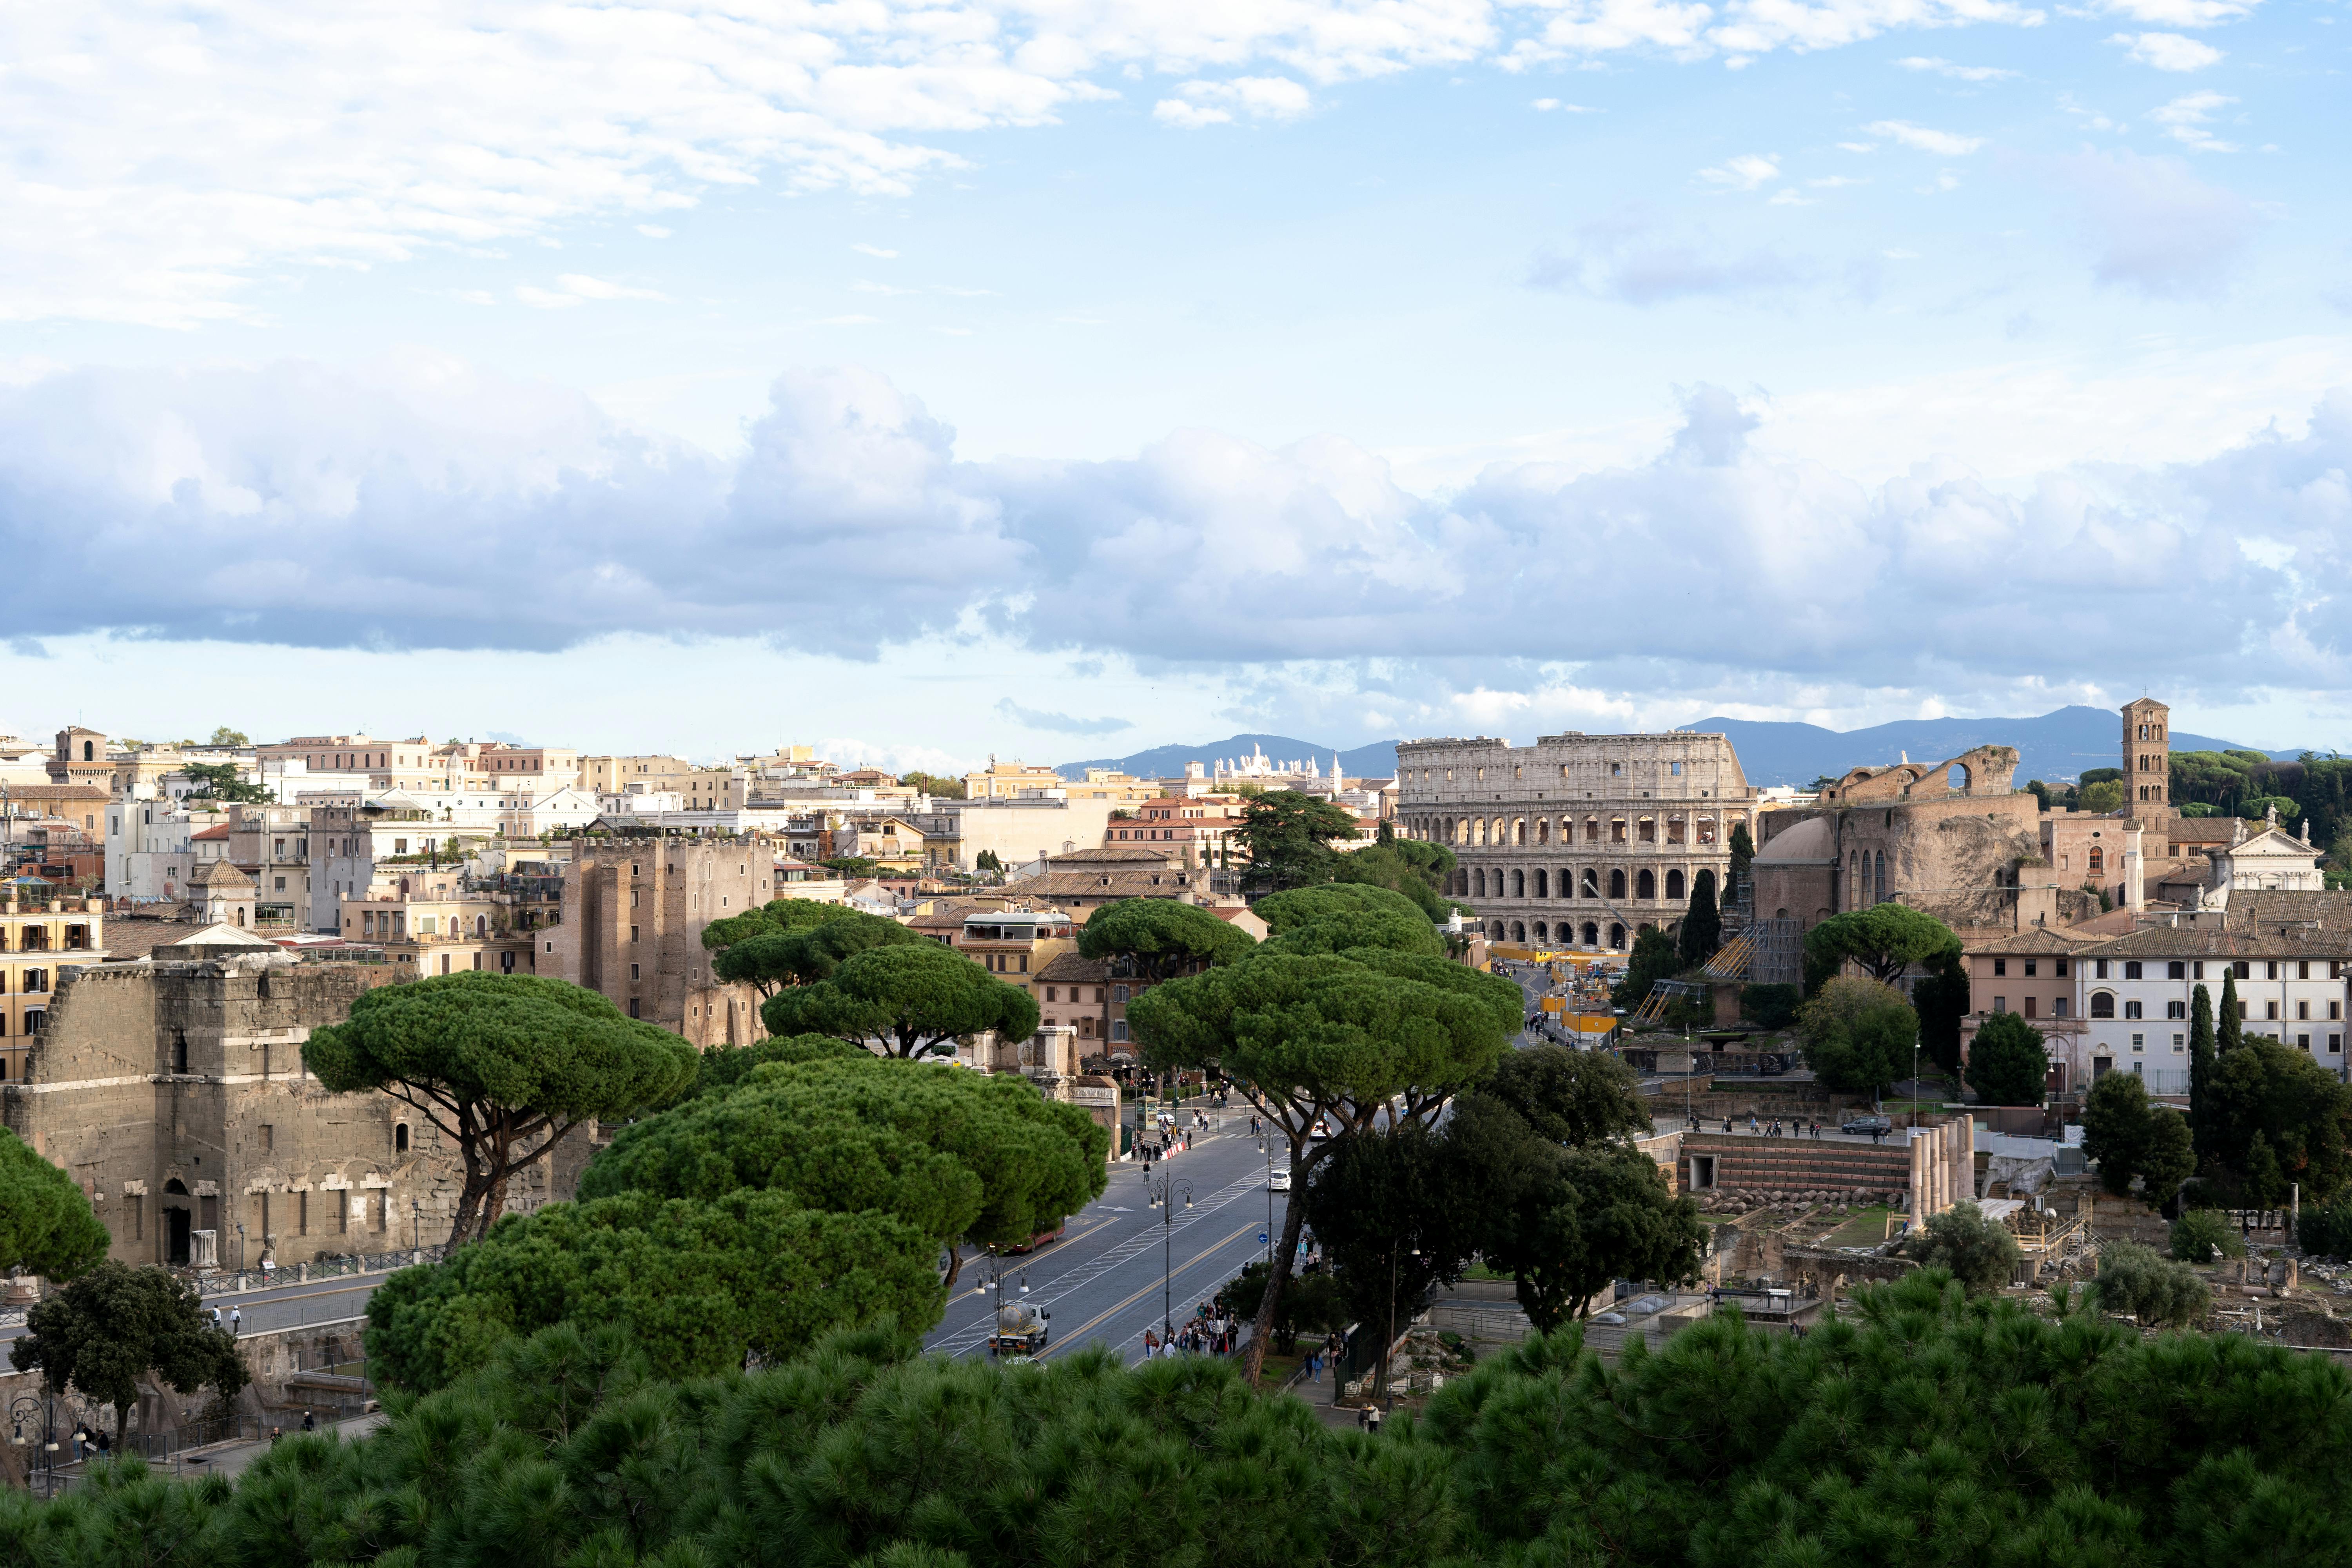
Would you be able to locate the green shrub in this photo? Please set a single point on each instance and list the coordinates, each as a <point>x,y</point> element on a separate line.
<point>1770,1006</point>
<point>2198,1233</point>
<point>2327,1231</point>
<point>2139,1282</point>
<point>1980,1253</point>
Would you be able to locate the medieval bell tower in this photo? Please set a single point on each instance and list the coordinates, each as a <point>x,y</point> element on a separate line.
<point>2148,756</point>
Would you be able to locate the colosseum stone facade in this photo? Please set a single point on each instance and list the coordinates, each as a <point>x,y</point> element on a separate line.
<point>1577,840</point>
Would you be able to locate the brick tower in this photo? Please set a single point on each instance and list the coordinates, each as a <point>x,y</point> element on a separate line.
<point>2147,757</point>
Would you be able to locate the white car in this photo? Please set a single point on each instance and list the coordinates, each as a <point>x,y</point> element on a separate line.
<point>1278,1179</point>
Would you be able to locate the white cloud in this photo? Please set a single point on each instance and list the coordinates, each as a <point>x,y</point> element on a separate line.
<point>1942,144</point>
<point>162,160</point>
<point>1832,181</point>
<point>577,288</point>
<point>2185,121</point>
<point>653,231</point>
<point>1564,108</point>
<point>1956,72</point>
<point>2157,228</point>
<point>1745,172</point>
<point>1203,103</point>
<point>2182,13</point>
<point>875,250</point>
<point>1791,198</point>
<point>1634,259</point>
<point>868,286</point>
<point>2168,51</point>
<point>1858,146</point>
<point>297,505</point>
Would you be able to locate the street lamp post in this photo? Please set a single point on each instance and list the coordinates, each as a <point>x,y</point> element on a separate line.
<point>417,1224</point>
<point>1163,1198</point>
<point>1389,1349</point>
<point>1266,1147</point>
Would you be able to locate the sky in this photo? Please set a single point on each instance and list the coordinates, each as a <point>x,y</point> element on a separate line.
<point>1051,379</point>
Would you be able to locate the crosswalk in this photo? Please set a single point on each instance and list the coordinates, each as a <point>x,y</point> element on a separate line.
<point>1149,1238</point>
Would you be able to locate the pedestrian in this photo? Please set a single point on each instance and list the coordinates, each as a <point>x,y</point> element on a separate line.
<point>309,1421</point>
<point>1375,1423</point>
<point>1751,1122</point>
<point>1150,1344</point>
<point>236,1320</point>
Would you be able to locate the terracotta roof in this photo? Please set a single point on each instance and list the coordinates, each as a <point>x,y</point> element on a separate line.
<point>2034,942</point>
<point>1105,885</point>
<point>2234,941</point>
<point>57,792</point>
<point>1072,968</point>
<point>220,832</point>
<point>1110,855</point>
<point>132,938</point>
<point>2331,910</point>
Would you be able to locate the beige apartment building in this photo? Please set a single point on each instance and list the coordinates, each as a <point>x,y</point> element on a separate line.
<point>1014,781</point>
<point>420,764</point>
<point>37,939</point>
<point>725,788</point>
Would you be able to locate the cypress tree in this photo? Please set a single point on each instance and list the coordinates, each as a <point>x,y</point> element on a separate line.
<point>1702,930</point>
<point>2229,1031</point>
<point>2201,1068</point>
<point>1743,850</point>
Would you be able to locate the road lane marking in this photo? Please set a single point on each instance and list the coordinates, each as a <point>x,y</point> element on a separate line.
<point>1213,1250</point>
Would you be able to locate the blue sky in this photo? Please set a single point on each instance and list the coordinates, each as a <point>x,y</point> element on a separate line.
<point>1053,379</point>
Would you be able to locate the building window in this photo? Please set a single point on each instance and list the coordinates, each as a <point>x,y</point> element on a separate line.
<point>2060,1007</point>
<point>269,1137</point>
<point>2180,1044</point>
<point>2032,968</point>
<point>2270,1010</point>
<point>2139,1042</point>
<point>2176,1009</point>
<point>2334,1044</point>
<point>400,1137</point>
<point>633,1006</point>
<point>2029,1006</point>
<point>2099,970</point>
<point>2176,970</point>
<point>2243,969</point>
<point>2059,968</point>
<point>634,974</point>
<point>2131,1009</point>
<point>2303,1010</point>
<point>1118,1028</point>
<point>2132,969</point>
<point>2303,1042</point>
<point>2000,966</point>
<point>303,1213</point>
<point>2001,1004</point>
<point>2103,1003</point>
<point>1118,995</point>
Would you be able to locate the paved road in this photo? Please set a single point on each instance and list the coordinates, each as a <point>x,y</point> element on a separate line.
<point>1102,1281</point>
<point>283,1305</point>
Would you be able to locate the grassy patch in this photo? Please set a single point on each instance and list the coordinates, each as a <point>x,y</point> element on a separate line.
<point>1277,1369</point>
<point>1865,1227</point>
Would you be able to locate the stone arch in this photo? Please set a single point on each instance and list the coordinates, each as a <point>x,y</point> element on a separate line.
<point>1478,833</point>
<point>1478,883</point>
<point>1956,777</point>
<point>1541,884</point>
<point>1617,882</point>
<point>1616,934</point>
<point>1593,933</point>
<point>1495,929</point>
<point>1519,931</point>
<point>1675,886</point>
<point>1543,831</point>
<point>1591,883</point>
<point>1541,935</point>
<point>1519,831</point>
<point>1519,884</point>
<point>1645,885</point>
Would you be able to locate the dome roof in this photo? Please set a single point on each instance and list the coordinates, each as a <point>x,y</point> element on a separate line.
<point>1811,842</point>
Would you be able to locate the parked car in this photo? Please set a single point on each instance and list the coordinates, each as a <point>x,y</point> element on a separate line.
<point>1865,1125</point>
<point>1278,1179</point>
<point>1042,1238</point>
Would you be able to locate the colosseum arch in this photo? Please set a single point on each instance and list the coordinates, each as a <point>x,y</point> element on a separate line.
<point>1645,886</point>
<point>1675,886</point>
<point>1617,882</point>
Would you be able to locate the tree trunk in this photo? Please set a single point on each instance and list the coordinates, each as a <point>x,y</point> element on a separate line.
<point>955,1266</point>
<point>1294,1220</point>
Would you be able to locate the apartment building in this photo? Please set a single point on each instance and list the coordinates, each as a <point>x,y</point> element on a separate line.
<point>727,787</point>
<point>2136,990</point>
<point>442,930</point>
<point>39,938</point>
<point>1195,828</point>
<point>1014,781</point>
<point>419,763</point>
<point>2032,973</point>
<point>150,847</point>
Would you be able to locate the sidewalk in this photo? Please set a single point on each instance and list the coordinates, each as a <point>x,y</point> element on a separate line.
<point>231,1458</point>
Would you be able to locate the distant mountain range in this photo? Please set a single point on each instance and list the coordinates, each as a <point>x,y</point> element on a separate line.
<point>1376,760</point>
<point>2053,747</point>
<point>2060,746</point>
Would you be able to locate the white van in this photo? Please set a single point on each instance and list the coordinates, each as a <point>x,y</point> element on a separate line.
<point>1278,1179</point>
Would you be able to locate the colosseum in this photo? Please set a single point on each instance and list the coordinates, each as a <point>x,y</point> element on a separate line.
<point>1577,840</point>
